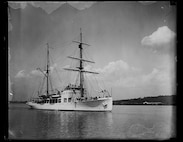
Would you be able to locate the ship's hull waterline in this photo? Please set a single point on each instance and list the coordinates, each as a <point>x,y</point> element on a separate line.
<point>102,104</point>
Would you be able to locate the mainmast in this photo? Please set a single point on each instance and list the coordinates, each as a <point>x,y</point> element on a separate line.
<point>81,65</point>
<point>81,60</point>
<point>47,71</point>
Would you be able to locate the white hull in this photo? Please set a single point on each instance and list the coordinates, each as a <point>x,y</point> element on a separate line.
<point>101,104</point>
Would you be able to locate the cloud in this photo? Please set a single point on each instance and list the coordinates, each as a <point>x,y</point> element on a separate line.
<point>115,66</point>
<point>53,67</point>
<point>118,69</point>
<point>162,36</point>
<point>36,73</point>
<point>136,79</point>
<point>121,74</point>
<point>115,71</point>
<point>21,74</point>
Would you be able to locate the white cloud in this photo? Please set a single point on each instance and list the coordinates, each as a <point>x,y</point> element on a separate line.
<point>36,73</point>
<point>121,74</point>
<point>67,66</point>
<point>162,36</point>
<point>53,67</point>
<point>115,71</point>
<point>148,77</point>
<point>21,74</point>
<point>115,66</point>
<point>135,79</point>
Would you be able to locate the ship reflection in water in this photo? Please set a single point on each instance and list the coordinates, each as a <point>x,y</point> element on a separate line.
<point>124,122</point>
<point>73,124</point>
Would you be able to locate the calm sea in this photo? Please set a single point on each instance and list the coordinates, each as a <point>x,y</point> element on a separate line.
<point>124,122</point>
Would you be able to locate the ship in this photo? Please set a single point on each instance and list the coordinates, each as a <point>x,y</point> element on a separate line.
<point>73,97</point>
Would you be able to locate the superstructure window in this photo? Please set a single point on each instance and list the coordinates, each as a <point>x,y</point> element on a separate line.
<point>65,100</point>
<point>59,100</point>
<point>69,99</point>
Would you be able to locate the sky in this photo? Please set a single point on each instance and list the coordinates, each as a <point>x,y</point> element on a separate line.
<point>133,45</point>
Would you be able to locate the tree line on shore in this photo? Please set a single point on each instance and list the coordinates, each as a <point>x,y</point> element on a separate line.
<point>157,100</point>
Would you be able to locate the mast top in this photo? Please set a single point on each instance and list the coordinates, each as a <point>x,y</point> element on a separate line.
<point>80,58</point>
<point>80,35</point>
<point>80,42</point>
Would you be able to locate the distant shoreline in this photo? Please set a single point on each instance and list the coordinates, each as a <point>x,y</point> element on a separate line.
<point>157,100</point>
<point>145,104</point>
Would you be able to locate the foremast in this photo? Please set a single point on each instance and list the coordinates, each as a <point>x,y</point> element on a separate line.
<point>81,60</point>
<point>46,74</point>
<point>47,71</point>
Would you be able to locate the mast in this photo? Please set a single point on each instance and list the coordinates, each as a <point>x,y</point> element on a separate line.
<point>47,70</point>
<point>81,65</point>
<point>81,60</point>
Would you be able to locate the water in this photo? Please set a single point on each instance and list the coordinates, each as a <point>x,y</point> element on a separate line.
<point>124,122</point>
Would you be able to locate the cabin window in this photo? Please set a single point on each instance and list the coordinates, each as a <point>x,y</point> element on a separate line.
<point>55,100</point>
<point>59,100</point>
<point>65,99</point>
<point>69,99</point>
